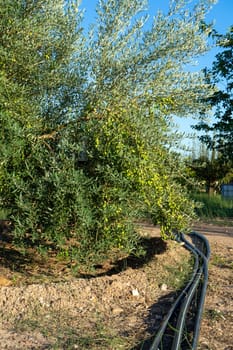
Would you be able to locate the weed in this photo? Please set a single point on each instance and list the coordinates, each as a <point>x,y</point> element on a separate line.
<point>221,261</point>
<point>178,276</point>
<point>218,260</point>
<point>214,314</point>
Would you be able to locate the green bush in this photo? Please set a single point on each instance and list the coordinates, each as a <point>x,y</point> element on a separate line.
<point>85,122</point>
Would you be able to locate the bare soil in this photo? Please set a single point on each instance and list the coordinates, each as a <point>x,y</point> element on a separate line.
<point>45,306</point>
<point>217,323</point>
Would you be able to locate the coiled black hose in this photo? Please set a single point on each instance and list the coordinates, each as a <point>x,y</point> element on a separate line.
<point>186,301</point>
<point>203,249</point>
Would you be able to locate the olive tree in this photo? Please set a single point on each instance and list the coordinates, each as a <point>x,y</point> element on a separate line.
<point>137,80</point>
<point>86,120</point>
<point>41,80</point>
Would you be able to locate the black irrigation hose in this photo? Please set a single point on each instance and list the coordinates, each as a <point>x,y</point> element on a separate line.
<point>158,338</point>
<point>176,344</point>
<point>205,255</point>
<point>185,302</point>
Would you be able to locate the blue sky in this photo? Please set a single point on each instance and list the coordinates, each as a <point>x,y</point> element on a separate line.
<point>221,14</point>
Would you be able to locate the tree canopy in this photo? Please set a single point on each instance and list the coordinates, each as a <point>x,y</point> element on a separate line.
<point>86,128</point>
<point>221,75</point>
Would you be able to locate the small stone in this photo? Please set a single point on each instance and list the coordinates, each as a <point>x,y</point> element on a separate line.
<point>117,310</point>
<point>158,317</point>
<point>163,287</point>
<point>4,281</point>
<point>135,293</point>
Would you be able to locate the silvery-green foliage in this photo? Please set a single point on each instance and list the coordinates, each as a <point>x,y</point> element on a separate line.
<point>135,57</point>
<point>85,120</point>
<point>138,78</point>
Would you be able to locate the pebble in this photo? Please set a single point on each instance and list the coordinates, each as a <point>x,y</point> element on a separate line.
<point>163,287</point>
<point>135,293</point>
<point>117,310</point>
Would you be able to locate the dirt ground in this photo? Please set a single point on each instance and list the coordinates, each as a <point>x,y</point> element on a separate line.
<point>115,310</point>
<point>217,323</point>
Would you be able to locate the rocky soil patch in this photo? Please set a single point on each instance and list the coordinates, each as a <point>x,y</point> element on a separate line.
<point>119,309</point>
<point>217,323</point>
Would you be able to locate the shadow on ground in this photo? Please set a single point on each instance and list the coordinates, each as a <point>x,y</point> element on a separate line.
<point>157,313</point>
<point>15,260</point>
<point>152,246</point>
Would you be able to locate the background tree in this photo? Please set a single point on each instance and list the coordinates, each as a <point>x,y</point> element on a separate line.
<point>221,75</point>
<point>210,173</point>
<point>208,169</point>
<point>86,122</point>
